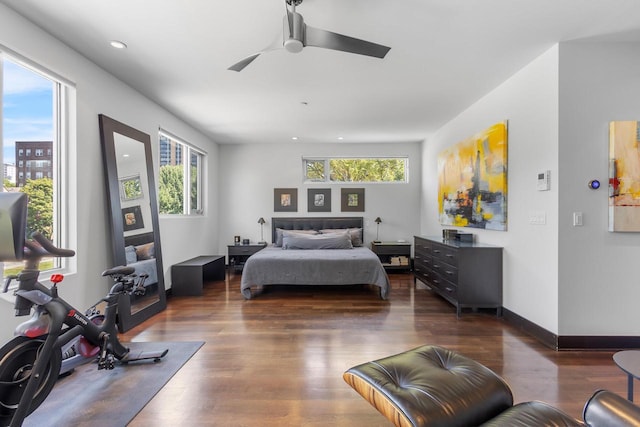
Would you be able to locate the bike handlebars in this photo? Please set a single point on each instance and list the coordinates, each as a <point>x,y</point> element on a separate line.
<point>40,247</point>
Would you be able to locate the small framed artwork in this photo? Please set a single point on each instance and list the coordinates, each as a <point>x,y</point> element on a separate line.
<point>285,200</point>
<point>132,218</point>
<point>130,188</point>
<point>319,200</point>
<point>352,200</point>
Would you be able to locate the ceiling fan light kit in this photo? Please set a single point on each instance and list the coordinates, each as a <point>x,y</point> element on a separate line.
<point>297,35</point>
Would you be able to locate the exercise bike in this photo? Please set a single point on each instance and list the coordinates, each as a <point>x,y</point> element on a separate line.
<point>31,363</point>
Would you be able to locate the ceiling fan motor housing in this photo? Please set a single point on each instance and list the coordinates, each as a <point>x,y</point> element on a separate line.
<point>294,32</point>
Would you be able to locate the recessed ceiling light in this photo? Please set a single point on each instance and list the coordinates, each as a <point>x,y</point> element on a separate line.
<point>118,44</point>
<point>295,138</point>
<point>340,138</point>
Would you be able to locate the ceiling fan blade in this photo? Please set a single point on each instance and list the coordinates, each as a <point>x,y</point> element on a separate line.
<point>239,66</point>
<point>329,40</point>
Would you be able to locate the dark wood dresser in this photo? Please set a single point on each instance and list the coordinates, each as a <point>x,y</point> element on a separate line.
<point>468,275</point>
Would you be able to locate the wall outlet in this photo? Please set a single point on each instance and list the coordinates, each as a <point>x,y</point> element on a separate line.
<point>537,218</point>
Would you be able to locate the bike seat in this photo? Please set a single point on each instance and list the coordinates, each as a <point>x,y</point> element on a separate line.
<point>121,270</point>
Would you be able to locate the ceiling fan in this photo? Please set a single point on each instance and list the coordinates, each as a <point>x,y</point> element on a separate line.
<point>296,35</point>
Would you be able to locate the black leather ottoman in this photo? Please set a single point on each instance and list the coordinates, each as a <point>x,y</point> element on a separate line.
<point>432,386</point>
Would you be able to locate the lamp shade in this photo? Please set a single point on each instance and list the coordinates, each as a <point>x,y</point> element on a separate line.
<point>261,221</point>
<point>378,220</point>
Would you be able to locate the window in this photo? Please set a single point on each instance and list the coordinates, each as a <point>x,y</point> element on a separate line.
<point>33,105</point>
<point>181,177</point>
<point>365,169</point>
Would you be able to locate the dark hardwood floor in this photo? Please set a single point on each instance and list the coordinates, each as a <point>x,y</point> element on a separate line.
<point>278,359</point>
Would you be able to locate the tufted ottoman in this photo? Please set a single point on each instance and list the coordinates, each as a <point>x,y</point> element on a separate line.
<point>432,386</point>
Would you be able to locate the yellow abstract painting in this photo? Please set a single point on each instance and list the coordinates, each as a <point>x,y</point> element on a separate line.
<point>624,176</point>
<point>472,181</point>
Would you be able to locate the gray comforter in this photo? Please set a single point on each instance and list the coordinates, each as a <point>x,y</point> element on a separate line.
<point>277,266</point>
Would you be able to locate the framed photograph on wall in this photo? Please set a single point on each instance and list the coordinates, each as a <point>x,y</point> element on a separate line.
<point>130,188</point>
<point>285,200</point>
<point>352,200</point>
<point>319,200</point>
<point>132,218</point>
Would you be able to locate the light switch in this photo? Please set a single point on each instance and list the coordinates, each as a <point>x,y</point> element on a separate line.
<point>577,219</point>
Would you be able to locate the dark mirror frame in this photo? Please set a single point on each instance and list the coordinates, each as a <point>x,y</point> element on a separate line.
<point>108,127</point>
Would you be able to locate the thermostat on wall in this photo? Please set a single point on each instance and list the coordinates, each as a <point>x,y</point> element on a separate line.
<point>543,181</point>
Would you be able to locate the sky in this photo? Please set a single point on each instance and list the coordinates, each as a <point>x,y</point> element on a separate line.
<point>27,108</point>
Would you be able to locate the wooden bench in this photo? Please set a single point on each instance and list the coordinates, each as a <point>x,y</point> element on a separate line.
<point>188,277</point>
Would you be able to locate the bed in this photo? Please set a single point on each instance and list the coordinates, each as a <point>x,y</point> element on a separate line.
<point>140,254</point>
<point>292,258</point>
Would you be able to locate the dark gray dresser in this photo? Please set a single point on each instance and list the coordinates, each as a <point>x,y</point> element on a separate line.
<point>468,275</point>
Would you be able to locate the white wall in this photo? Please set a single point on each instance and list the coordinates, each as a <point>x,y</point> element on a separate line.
<point>98,92</point>
<point>529,101</point>
<point>250,172</point>
<point>599,284</point>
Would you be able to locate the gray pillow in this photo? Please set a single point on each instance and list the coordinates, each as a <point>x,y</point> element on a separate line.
<point>354,233</point>
<point>130,254</point>
<point>320,241</point>
<point>281,232</point>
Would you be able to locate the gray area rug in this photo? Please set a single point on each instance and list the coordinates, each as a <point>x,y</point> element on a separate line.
<point>111,398</point>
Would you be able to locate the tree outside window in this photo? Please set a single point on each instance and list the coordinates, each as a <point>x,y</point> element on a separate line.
<point>362,170</point>
<point>180,179</point>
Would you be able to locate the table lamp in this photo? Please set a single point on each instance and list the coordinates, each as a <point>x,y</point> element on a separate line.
<point>261,221</point>
<point>377,221</point>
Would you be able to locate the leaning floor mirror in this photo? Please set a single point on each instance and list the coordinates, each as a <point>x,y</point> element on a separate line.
<point>133,211</point>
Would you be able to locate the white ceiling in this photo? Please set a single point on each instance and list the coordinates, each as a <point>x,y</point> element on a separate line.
<point>445,54</point>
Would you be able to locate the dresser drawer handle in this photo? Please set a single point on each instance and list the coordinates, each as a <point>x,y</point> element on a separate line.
<point>448,289</point>
<point>449,256</point>
<point>436,251</point>
<point>450,273</point>
<point>436,281</point>
<point>436,266</point>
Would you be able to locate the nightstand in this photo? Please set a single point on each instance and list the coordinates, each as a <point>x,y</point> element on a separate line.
<point>238,254</point>
<point>393,255</point>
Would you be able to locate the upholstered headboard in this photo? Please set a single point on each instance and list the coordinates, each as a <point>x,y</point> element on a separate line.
<point>138,239</point>
<point>315,223</point>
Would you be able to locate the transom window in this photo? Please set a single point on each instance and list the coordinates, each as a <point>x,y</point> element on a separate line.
<point>362,169</point>
<point>181,177</point>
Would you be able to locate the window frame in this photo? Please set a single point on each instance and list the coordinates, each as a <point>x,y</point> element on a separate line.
<point>63,98</point>
<point>327,169</point>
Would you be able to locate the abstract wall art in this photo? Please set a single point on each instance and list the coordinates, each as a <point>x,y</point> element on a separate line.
<point>624,176</point>
<point>472,181</point>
